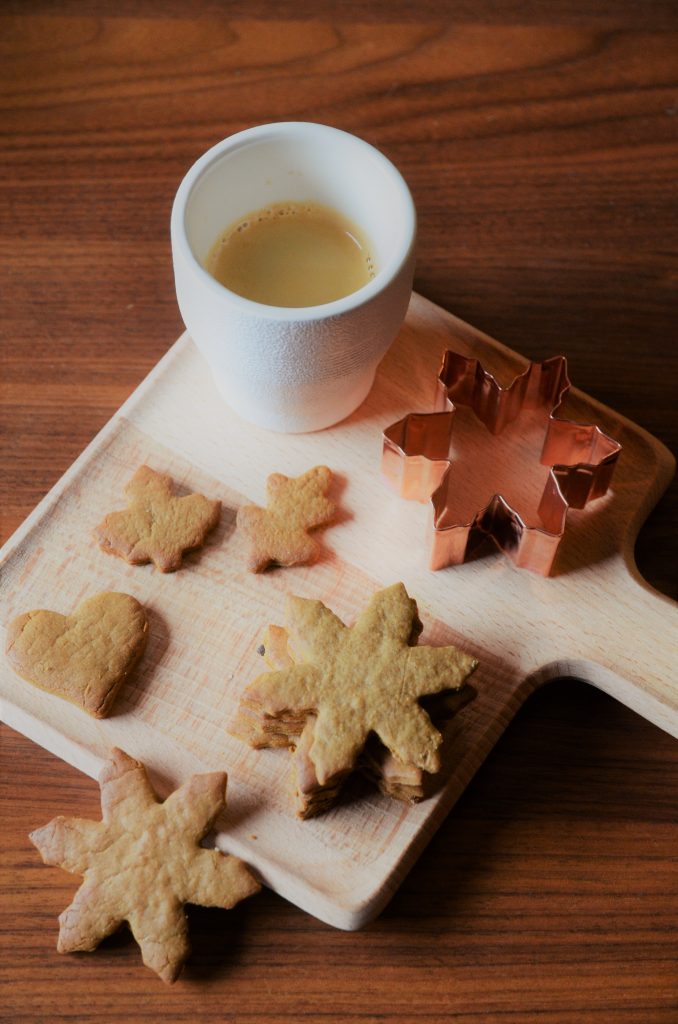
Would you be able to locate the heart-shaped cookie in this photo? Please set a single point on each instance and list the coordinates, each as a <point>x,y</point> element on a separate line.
<point>84,657</point>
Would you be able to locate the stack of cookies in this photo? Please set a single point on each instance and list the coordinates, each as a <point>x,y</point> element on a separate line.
<point>347,699</point>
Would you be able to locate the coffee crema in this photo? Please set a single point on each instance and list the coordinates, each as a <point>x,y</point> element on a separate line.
<point>292,254</point>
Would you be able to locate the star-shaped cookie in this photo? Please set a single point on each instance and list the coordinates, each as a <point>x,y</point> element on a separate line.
<point>358,680</point>
<point>142,863</point>
<point>393,777</point>
<point>279,534</point>
<point>156,526</point>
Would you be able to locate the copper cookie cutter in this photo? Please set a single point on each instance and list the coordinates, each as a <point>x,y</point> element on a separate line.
<point>526,466</point>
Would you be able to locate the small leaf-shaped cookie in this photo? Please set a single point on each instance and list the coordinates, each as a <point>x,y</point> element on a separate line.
<point>156,526</point>
<point>279,534</point>
<point>84,657</point>
<point>142,862</point>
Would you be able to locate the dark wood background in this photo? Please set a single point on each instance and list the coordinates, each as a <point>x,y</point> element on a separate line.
<point>540,141</point>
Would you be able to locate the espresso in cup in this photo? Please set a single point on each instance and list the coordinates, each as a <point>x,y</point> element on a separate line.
<point>293,362</point>
<point>292,254</point>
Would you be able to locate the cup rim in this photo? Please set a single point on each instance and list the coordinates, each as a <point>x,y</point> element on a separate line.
<point>325,310</point>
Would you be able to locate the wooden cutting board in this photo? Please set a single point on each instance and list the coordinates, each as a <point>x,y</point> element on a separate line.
<point>594,619</point>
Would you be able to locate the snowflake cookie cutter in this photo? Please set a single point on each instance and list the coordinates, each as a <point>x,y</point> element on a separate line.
<point>548,465</point>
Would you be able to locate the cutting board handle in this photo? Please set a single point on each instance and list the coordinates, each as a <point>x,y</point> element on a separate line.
<point>636,659</point>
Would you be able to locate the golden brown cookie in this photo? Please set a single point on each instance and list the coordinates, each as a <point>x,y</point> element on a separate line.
<point>84,657</point>
<point>156,526</point>
<point>142,863</point>
<point>359,680</point>
<point>279,534</point>
<point>405,782</point>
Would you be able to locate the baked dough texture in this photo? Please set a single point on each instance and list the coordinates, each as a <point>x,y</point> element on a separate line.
<point>84,657</point>
<point>279,534</point>
<point>157,526</point>
<point>142,863</point>
<point>355,681</point>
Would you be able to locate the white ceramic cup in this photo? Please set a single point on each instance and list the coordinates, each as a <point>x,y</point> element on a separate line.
<point>293,368</point>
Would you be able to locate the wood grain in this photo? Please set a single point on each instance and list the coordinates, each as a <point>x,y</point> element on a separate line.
<point>590,618</point>
<point>540,143</point>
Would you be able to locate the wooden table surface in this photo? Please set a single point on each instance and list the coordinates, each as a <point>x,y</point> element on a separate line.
<point>540,142</point>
